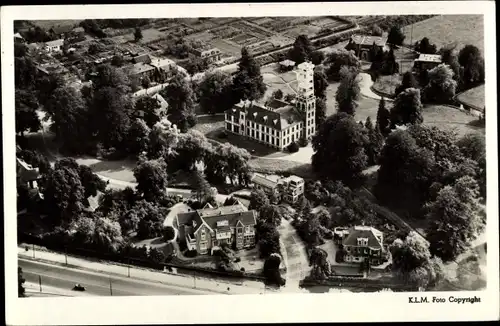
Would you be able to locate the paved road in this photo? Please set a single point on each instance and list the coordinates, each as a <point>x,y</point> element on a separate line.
<point>97,284</point>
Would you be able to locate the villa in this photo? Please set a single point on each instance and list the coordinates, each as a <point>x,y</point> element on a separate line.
<point>362,243</point>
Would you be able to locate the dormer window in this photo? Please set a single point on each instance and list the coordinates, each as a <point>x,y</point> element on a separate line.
<point>255,114</point>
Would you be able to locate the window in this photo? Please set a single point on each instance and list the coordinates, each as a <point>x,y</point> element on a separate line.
<point>228,126</point>
<point>203,235</point>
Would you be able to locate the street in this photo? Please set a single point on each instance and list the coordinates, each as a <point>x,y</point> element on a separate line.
<point>99,284</point>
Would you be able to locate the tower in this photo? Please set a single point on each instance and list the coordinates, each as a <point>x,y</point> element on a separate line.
<point>306,101</point>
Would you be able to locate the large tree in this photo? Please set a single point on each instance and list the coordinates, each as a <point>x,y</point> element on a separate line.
<point>339,147</point>
<point>383,118</point>
<point>407,108</point>
<point>180,97</point>
<point>320,266</point>
<point>202,189</point>
<point>454,219</point>
<point>441,87</point>
<point>149,106</point>
<point>137,34</point>
<point>425,46</point>
<point>348,91</point>
<point>26,116</point>
<point>192,148</point>
<point>396,36</point>
<point>301,50</point>
<point>90,181</point>
<point>320,110</point>
<point>375,142</point>
<point>258,199</point>
<point>248,82</point>
<point>215,92</point>
<point>268,239</point>
<point>151,179</point>
<point>408,81</point>
<point>109,76</point>
<point>138,137</point>
<point>389,65</point>
<point>272,214</point>
<point>320,82</point>
<point>412,261</point>
<point>339,58</point>
<point>471,59</point>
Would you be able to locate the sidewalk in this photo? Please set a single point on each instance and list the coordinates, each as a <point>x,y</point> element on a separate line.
<point>33,290</point>
<point>171,278</point>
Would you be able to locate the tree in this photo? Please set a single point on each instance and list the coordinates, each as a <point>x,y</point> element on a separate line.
<point>151,179</point>
<point>278,94</point>
<point>163,139</point>
<point>389,64</point>
<point>454,219</point>
<point>63,194</point>
<point>375,142</point>
<point>340,58</point>
<point>180,98</point>
<point>450,58</point>
<point>202,189</point>
<point>258,199</point>
<point>215,92</point>
<point>109,76</point>
<point>271,269</point>
<point>471,60</point>
<point>320,82</point>
<point>320,265</point>
<point>320,110</point>
<point>348,91</point>
<point>138,137</point>
<point>25,73</point>
<point>117,60</point>
<point>268,239</point>
<point>20,50</point>
<point>293,147</point>
<point>137,34</point>
<point>425,46</point>
<point>339,149</point>
<point>248,82</point>
<point>70,117</point>
<point>168,233</point>
<point>192,148</point>
<point>149,107</point>
<point>317,57</point>
<point>301,50</point>
<point>412,261</point>
<point>406,172</point>
<point>473,146</point>
<point>151,220</point>
<point>20,283</point>
<point>196,64</point>
<point>25,112</point>
<point>271,214</point>
<point>441,87</point>
<point>408,81</point>
<point>396,36</point>
<point>383,118</point>
<point>376,30</point>
<point>407,108</point>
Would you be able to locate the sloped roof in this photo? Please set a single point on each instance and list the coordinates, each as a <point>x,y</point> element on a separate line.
<point>367,232</point>
<point>287,62</point>
<point>160,63</point>
<point>473,97</point>
<point>26,172</point>
<point>59,42</point>
<point>61,29</point>
<point>369,40</point>
<point>424,57</point>
<point>143,58</point>
<point>262,180</point>
<point>211,216</point>
<point>78,30</point>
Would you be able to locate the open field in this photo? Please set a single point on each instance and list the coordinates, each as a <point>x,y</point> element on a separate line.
<point>387,84</point>
<point>308,30</point>
<point>445,117</point>
<point>449,29</point>
<point>48,24</point>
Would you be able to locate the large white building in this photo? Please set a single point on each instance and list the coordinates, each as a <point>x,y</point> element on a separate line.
<point>279,123</point>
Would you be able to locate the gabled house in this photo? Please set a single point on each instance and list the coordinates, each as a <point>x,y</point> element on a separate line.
<point>207,229</point>
<point>364,243</point>
<point>362,44</point>
<point>426,62</point>
<point>472,100</point>
<point>61,31</point>
<point>26,174</point>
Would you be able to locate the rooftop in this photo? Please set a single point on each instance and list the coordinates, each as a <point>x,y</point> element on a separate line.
<point>264,181</point>
<point>59,42</point>
<point>161,63</point>
<point>429,57</point>
<point>287,62</point>
<point>139,68</point>
<point>369,40</point>
<point>366,232</point>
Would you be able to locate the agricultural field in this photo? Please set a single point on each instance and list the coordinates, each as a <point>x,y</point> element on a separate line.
<point>309,30</point>
<point>48,24</point>
<point>449,29</point>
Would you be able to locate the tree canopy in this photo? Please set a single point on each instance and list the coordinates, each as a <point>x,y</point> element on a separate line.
<point>407,108</point>
<point>301,50</point>
<point>215,92</point>
<point>340,58</point>
<point>348,91</point>
<point>396,36</point>
<point>151,179</point>
<point>248,82</point>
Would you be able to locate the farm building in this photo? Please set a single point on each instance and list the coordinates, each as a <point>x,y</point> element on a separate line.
<point>361,45</point>
<point>54,46</point>
<point>426,62</point>
<point>287,65</point>
<point>211,55</point>
<point>473,100</point>
<point>61,31</point>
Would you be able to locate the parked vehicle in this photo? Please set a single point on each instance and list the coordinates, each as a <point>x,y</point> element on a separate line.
<point>78,287</point>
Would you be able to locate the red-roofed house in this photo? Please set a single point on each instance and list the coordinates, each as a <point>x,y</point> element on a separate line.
<point>364,242</point>
<point>206,229</point>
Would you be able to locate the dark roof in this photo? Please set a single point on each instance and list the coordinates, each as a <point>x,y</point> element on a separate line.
<point>211,216</point>
<point>363,232</point>
<point>62,29</point>
<point>26,172</point>
<point>279,119</point>
<point>473,98</point>
<point>261,180</point>
<point>144,58</point>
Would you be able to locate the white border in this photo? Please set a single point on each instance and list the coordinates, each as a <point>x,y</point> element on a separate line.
<point>249,308</point>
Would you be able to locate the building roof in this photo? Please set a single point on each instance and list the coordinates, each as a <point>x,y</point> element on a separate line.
<point>139,68</point>
<point>59,42</point>
<point>279,119</point>
<point>143,58</point>
<point>161,63</point>
<point>78,30</point>
<point>292,178</point>
<point>61,29</point>
<point>429,58</point>
<point>163,102</point>
<point>367,232</point>
<point>17,35</point>
<point>263,181</point>
<point>26,172</point>
<point>206,51</point>
<point>287,62</point>
<point>369,40</point>
<point>210,216</point>
<point>473,98</point>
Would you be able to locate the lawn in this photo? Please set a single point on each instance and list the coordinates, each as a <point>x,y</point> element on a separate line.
<point>449,29</point>
<point>270,166</point>
<point>448,118</point>
<point>48,24</point>
<point>387,84</point>
<point>473,97</point>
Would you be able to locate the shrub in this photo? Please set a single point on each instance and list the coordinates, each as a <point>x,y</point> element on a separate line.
<point>191,253</point>
<point>222,134</point>
<point>237,260</point>
<point>293,147</point>
<point>168,233</point>
<point>242,269</point>
<point>303,142</point>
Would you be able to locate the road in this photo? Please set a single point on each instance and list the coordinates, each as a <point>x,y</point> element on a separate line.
<point>98,284</point>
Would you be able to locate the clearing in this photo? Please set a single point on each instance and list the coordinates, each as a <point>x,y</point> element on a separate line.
<point>449,29</point>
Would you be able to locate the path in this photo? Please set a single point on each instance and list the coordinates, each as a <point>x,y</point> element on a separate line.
<point>282,79</point>
<point>365,84</point>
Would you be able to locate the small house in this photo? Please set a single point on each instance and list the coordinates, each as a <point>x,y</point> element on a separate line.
<point>54,46</point>
<point>287,65</point>
<point>364,243</point>
<point>362,44</point>
<point>426,62</point>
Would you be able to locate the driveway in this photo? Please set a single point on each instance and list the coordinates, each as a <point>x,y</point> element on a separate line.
<point>296,259</point>
<point>365,84</point>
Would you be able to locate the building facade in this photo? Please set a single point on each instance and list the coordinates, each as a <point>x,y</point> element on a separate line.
<point>288,189</point>
<point>278,124</point>
<point>364,243</point>
<point>426,62</point>
<point>207,229</point>
<point>54,46</point>
<point>211,55</point>
<point>27,175</point>
<point>362,44</point>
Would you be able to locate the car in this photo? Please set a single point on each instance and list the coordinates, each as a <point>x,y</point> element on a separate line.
<point>78,287</point>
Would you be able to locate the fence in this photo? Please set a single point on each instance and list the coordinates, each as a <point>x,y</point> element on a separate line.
<point>358,283</point>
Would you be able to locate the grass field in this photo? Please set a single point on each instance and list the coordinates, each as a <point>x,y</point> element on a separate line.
<point>448,29</point>
<point>387,84</point>
<point>473,96</point>
<point>48,24</point>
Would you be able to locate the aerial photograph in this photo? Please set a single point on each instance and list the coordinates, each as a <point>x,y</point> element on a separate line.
<point>250,155</point>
